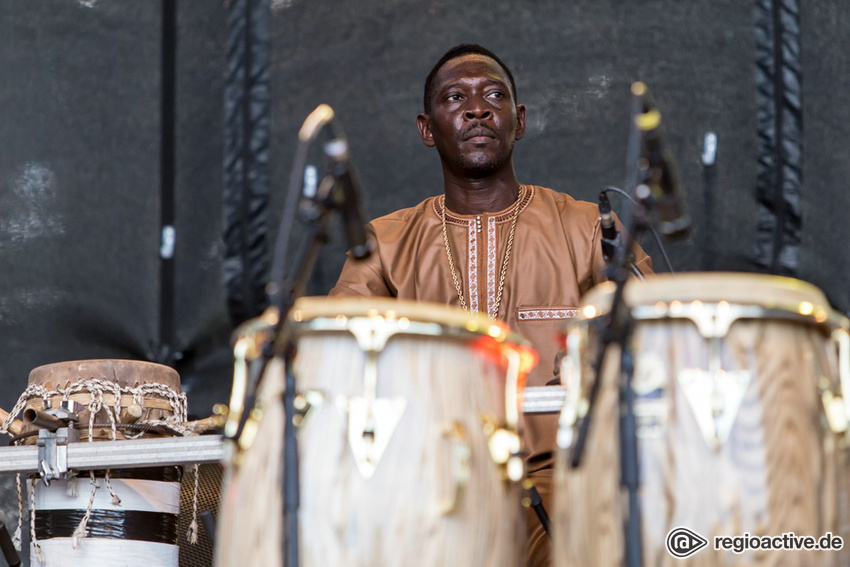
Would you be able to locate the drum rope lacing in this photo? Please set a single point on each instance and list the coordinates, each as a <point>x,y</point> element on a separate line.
<point>493,312</point>
<point>96,387</point>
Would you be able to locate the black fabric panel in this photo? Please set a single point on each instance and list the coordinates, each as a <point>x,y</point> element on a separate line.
<point>246,182</point>
<point>165,349</point>
<point>779,117</point>
<point>202,325</point>
<point>79,184</point>
<point>825,257</point>
<point>574,63</point>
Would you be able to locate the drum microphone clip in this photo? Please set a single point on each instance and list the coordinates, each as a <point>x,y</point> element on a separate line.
<point>611,240</point>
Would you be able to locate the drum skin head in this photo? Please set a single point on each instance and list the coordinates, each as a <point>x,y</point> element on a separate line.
<point>123,372</point>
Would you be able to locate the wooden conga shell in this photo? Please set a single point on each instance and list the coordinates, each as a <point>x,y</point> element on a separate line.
<point>780,470</point>
<point>396,516</point>
<point>124,373</point>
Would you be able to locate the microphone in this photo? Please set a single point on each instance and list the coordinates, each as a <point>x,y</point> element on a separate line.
<point>346,197</point>
<point>610,235</point>
<point>661,179</point>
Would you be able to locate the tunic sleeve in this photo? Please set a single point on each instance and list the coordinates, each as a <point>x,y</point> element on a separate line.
<point>363,277</point>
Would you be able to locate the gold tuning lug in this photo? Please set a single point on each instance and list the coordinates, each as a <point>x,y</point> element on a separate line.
<point>305,403</point>
<point>250,338</point>
<point>842,339</point>
<point>833,407</point>
<point>461,455</point>
<point>239,391</point>
<point>571,378</point>
<point>505,447</point>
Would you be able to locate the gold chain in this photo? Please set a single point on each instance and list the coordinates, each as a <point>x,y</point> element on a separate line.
<point>495,311</point>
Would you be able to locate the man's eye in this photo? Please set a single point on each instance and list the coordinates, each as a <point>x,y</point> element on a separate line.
<point>496,95</point>
<point>453,97</point>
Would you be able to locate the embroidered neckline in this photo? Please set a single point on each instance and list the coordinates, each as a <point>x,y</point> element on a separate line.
<point>494,296</point>
<point>502,217</point>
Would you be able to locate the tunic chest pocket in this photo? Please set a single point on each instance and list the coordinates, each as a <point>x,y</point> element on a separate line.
<point>542,325</point>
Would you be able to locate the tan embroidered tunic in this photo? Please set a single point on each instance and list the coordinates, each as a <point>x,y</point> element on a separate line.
<point>556,258</point>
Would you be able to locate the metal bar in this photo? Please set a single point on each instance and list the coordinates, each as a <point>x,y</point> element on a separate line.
<point>19,459</point>
<point>543,399</point>
<point>202,449</point>
<point>124,454</point>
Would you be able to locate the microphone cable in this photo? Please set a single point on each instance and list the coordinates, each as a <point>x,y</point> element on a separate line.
<point>651,228</point>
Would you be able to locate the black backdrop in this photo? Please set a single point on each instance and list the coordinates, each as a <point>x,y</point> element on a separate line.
<point>81,125</point>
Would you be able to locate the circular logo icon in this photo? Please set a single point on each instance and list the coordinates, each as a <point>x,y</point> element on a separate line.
<point>682,542</point>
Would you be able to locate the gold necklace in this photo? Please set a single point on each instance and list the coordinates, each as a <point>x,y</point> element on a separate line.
<point>495,311</point>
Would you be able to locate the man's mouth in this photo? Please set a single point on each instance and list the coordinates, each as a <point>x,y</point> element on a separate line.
<point>478,133</point>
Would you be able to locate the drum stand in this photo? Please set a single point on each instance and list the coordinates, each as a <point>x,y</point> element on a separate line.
<point>318,217</point>
<point>273,338</point>
<point>337,191</point>
<point>616,330</point>
<point>645,168</point>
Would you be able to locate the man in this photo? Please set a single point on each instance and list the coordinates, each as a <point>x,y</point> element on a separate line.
<point>520,253</point>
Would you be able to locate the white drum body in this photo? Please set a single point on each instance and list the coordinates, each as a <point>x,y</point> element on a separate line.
<point>139,532</point>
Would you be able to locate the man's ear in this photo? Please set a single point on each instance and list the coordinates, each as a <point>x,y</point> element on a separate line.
<point>423,122</point>
<point>520,121</point>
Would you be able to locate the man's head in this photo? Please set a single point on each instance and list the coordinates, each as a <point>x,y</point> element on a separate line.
<point>460,51</point>
<point>471,116</point>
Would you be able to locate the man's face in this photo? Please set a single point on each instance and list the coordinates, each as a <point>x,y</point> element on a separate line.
<point>474,120</point>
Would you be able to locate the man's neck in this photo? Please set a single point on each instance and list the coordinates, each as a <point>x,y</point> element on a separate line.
<point>475,196</point>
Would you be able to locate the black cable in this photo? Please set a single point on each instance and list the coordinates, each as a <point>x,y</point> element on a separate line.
<point>651,228</point>
<point>8,548</point>
<point>540,510</point>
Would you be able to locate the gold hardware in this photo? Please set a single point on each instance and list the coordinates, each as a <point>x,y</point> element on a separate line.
<point>220,411</point>
<point>571,377</point>
<point>715,398</point>
<point>512,387</point>
<point>241,351</point>
<point>305,403</point>
<point>459,464</point>
<point>651,405</point>
<point>842,339</point>
<point>249,430</point>
<point>371,424</point>
<point>833,407</point>
<point>251,336</point>
<point>371,420</point>
<point>505,446</point>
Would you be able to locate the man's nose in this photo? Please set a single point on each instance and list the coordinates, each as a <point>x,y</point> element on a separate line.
<point>477,109</point>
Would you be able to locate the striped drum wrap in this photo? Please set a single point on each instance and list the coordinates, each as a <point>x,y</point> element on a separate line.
<point>140,531</point>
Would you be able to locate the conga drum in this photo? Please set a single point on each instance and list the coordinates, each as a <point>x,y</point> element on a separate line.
<point>114,517</point>
<point>739,384</point>
<point>408,442</point>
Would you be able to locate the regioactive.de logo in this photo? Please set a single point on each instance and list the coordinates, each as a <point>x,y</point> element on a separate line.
<point>682,542</point>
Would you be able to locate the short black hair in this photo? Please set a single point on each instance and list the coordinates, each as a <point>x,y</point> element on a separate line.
<point>460,51</point>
